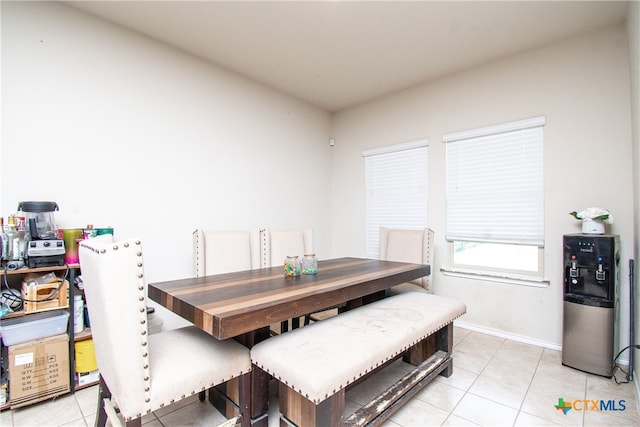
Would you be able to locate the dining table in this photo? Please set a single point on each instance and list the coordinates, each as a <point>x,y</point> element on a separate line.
<point>243,305</point>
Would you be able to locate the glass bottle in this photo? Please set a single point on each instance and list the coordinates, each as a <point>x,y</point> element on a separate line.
<point>1,238</point>
<point>309,264</point>
<point>23,237</point>
<point>11,241</point>
<point>292,266</point>
<point>78,314</point>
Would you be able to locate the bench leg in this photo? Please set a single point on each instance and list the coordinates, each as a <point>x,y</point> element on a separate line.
<point>421,351</point>
<point>441,340</point>
<point>300,411</point>
<point>444,342</point>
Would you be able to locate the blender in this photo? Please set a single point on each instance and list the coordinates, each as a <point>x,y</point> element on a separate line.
<point>44,249</point>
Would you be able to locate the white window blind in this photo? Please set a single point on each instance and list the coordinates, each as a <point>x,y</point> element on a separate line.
<point>495,184</point>
<point>396,190</point>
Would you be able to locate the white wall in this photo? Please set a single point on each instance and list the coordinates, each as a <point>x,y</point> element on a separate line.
<point>123,131</point>
<point>582,87</point>
<point>633,28</point>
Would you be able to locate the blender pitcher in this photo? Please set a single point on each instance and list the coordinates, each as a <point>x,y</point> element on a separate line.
<point>40,221</point>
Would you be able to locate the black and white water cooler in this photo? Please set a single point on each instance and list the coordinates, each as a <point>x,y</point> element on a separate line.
<point>590,320</point>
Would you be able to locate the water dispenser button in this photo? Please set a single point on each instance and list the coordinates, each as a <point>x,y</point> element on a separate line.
<point>573,268</point>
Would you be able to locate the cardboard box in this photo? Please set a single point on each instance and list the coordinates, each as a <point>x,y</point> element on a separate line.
<point>38,370</point>
<point>84,378</point>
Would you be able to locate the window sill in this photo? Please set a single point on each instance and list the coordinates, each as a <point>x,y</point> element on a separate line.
<point>534,281</point>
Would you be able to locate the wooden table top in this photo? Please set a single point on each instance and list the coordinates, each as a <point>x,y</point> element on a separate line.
<point>232,304</point>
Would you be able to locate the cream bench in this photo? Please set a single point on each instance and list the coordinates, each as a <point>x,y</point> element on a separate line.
<point>316,364</point>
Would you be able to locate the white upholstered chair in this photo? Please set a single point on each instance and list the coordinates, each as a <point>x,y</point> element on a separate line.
<point>415,246</point>
<point>139,372</point>
<point>222,251</point>
<point>277,245</point>
<point>219,251</point>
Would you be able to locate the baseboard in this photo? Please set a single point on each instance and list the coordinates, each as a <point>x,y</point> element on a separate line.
<point>636,386</point>
<point>522,338</point>
<point>508,335</point>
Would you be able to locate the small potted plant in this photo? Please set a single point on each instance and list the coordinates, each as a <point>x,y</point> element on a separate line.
<point>593,219</point>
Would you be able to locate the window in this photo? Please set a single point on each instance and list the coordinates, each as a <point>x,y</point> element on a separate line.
<point>396,190</point>
<point>495,198</point>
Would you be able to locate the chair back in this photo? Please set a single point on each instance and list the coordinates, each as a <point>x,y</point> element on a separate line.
<point>415,246</point>
<point>115,291</point>
<point>278,244</point>
<point>216,252</point>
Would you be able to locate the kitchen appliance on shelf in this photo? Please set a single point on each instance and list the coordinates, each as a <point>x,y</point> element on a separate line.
<point>44,248</point>
<point>590,318</point>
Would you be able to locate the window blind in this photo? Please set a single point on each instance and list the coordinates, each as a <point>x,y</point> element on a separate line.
<point>396,190</point>
<point>495,184</point>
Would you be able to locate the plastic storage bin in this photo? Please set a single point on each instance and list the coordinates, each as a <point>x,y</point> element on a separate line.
<point>35,326</point>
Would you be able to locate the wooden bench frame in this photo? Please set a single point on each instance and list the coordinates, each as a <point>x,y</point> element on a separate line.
<point>431,356</point>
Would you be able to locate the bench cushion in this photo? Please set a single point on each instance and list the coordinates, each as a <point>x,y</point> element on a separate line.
<point>324,357</point>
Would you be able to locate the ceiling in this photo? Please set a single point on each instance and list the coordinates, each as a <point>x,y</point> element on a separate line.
<point>336,54</point>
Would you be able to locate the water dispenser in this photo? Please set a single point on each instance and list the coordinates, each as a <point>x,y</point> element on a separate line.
<point>590,302</point>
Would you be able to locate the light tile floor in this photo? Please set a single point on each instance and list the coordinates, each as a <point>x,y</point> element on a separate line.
<point>495,382</point>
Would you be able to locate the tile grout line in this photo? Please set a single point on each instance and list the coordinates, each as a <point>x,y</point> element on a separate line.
<point>519,409</point>
<point>466,391</point>
<point>535,371</point>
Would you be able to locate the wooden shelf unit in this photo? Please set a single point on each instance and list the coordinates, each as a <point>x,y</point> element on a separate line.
<point>26,270</point>
<point>73,337</point>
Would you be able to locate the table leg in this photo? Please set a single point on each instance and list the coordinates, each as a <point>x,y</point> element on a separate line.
<point>259,397</point>
<point>367,299</point>
<point>259,393</point>
<point>259,380</point>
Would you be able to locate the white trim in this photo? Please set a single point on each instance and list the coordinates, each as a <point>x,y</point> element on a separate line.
<point>396,147</point>
<point>624,362</point>
<point>491,130</point>
<point>532,341</point>
<point>636,386</point>
<point>533,281</point>
<point>454,238</point>
<point>508,335</point>
<point>526,340</point>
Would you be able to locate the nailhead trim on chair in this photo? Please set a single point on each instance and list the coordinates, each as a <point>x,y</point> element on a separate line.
<point>197,254</point>
<point>263,243</point>
<point>141,288</point>
<point>428,236</point>
<point>143,322</point>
